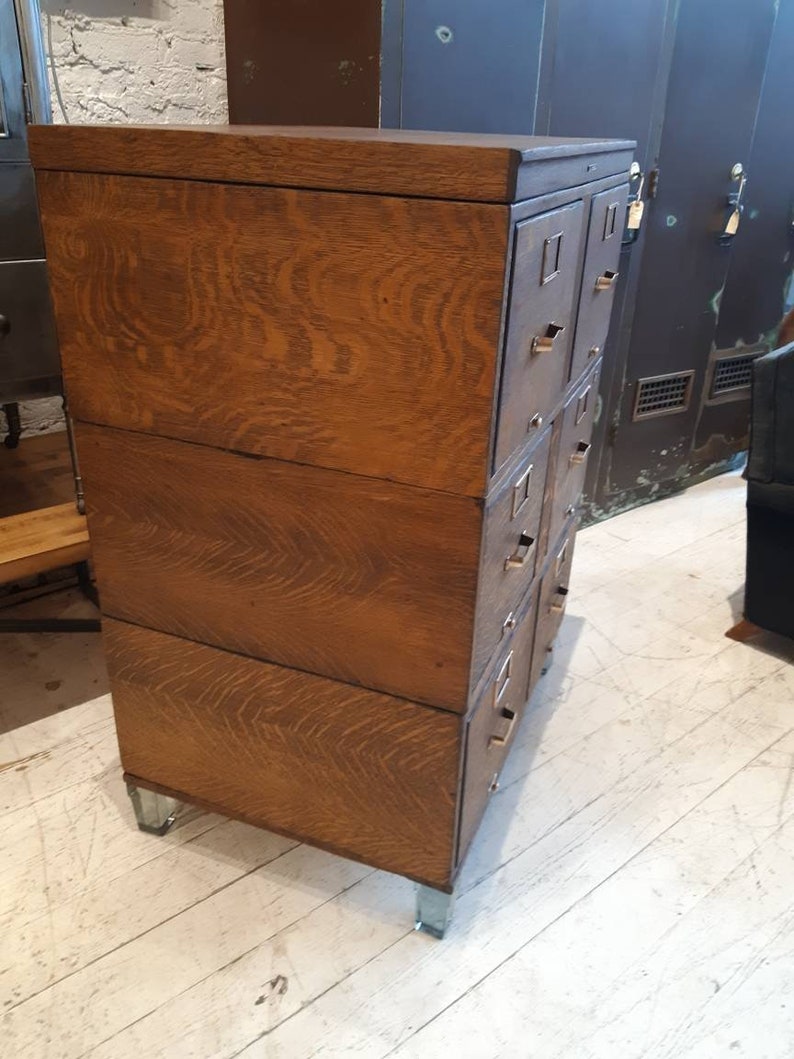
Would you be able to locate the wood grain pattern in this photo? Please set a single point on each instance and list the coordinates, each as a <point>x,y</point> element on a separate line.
<point>353,332</point>
<point>290,398</point>
<point>440,165</point>
<point>365,774</point>
<point>333,573</point>
<point>36,541</point>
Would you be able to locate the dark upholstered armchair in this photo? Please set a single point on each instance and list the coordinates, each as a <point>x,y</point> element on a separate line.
<point>769,598</point>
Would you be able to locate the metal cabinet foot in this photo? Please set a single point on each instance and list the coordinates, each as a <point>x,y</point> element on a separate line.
<point>433,911</point>
<point>154,812</point>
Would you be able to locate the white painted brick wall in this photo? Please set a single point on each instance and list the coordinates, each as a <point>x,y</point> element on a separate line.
<point>132,61</point>
<point>139,60</point>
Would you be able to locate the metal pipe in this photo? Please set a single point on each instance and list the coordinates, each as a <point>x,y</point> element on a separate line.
<point>34,60</point>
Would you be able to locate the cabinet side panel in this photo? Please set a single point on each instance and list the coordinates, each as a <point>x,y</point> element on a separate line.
<point>360,773</point>
<point>364,581</point>
<point>356,332</point>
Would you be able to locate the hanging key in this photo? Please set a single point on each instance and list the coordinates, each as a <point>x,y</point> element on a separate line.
<point>735,217</point>
<point>637,208</point>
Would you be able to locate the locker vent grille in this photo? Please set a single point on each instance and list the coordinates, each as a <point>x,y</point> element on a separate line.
<point>732,373</point>
<point>663,394</point>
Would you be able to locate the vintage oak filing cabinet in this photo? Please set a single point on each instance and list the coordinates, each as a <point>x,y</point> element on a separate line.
<point>334,391</point>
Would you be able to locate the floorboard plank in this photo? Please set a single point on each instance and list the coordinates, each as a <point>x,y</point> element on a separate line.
<point>37,953</point>
<point>636,936</point>
<point>628,894</point>
<point>510,907</point>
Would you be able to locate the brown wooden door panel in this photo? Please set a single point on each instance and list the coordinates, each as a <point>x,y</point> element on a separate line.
<point>355,332</point>
<point>574,451</point>
<point>602,260</point>
<point>311,63</point>
<point>361,773</point>
<point>509,561</point>
<point>546,259</point>
<point>494,720</point>
<point>366,581</point>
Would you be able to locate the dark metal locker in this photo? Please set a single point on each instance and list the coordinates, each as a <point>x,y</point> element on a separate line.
<point>468,67</point>
<point>710,113</point>
<point>605,72</point>
<point>29,362</point>
<point>759,289</point>
<point>12,103</point>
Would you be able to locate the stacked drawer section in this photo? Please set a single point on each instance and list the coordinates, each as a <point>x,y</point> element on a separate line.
<point>332,445</point>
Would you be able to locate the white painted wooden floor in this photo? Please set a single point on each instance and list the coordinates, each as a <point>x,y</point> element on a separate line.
<point>631,891</point>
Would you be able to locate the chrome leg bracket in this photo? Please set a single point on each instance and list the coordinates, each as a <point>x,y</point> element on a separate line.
<point>433,911</point>
<point>154,812</point>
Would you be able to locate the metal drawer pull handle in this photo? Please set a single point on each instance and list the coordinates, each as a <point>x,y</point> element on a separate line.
<point>502,740</point>
<point>594,352</point>
<point>559,608</point>
<point>509,623</point>
<point>580,455</point>
<point>609,279</point>
<point>536,422</point>
<point>545,343</point>
<point>521,554</point>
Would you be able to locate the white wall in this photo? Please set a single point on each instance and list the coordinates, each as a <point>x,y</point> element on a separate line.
<point>132,61</point>
<point>139,60</point>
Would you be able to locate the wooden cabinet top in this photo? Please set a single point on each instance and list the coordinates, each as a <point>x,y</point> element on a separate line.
<point>462,166</point>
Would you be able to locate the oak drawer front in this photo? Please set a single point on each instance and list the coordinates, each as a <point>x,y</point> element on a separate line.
<point>546,259</point>
<point>494,720</point>
<point>600,276</point>
<point>552,600</point>
<point>355,771</point>
<point>357,579</point>
<point>510,552</point>
<point>353,332</point>
<point>574,451</point>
